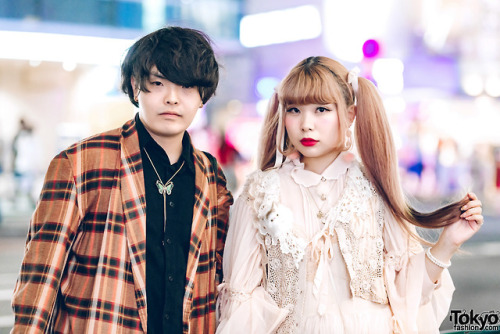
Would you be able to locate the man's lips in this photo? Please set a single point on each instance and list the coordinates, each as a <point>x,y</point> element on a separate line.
<point>308,141</point>
<point>170,113</point>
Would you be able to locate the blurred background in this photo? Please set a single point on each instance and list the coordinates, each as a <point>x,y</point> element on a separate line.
<point>435,62</point>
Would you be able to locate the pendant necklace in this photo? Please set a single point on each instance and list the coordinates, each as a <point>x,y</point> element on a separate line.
<point>169,185</point>
<point>321,214</point>
<point>164,188</point>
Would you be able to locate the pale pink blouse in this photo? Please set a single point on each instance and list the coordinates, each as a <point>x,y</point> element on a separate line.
<point>325,302</point>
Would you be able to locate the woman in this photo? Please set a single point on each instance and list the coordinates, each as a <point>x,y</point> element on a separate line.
<point>323,243</point>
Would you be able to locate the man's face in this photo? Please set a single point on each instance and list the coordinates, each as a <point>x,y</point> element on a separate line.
<point>167,109</point>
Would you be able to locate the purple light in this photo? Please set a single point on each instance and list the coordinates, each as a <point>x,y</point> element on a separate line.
<point>371,48</point>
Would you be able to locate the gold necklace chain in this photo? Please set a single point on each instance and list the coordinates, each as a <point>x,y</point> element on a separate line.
<point>169,185</point>
<point>322,215</point>
<point>164,188</point>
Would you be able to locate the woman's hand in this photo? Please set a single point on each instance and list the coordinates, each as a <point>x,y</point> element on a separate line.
<point>455,234</point>
<point>469,223</point>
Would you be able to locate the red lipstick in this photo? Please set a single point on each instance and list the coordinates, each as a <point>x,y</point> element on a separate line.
<point>308,141</point>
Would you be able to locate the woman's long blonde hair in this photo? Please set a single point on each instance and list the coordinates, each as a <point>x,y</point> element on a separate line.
<point>323,80</point>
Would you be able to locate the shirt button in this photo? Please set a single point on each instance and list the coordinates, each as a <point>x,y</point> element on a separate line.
<point>169,241</point>
<point>167,316</point>
<point>172,204</point>
<point>170,278</point>
<point>163,243</point>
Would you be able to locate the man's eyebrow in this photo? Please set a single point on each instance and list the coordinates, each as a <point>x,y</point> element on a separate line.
<point>158,75</point>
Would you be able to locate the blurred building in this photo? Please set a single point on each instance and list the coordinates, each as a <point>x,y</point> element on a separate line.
<point>435,62</point>
<point>59,69</point>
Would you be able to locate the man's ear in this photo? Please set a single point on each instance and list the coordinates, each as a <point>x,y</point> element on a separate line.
<point>351,114</point>
<point>134,87</point>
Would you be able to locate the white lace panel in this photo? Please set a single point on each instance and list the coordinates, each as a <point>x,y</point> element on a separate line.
<point>284,284</point>
<point>275,221</point>
<point>359,226</point>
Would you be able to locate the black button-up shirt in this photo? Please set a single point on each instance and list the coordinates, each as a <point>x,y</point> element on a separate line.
<point>166,251</point>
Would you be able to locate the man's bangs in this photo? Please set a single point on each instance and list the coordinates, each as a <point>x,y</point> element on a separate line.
<point>303,88</point>
<point>179,73</point>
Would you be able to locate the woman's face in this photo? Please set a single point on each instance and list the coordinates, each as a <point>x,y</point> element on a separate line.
<point>313,129</point>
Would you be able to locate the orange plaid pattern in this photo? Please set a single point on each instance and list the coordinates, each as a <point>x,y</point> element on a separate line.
<point>84,267</point>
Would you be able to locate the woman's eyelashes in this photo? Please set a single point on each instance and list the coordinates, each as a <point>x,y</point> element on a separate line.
<point>296,110</point>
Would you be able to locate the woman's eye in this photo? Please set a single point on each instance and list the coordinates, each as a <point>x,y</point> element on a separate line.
<point>322,109</point>
<point>293,110</point>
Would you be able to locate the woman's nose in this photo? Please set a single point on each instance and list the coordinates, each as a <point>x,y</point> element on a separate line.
<point>307,122</point>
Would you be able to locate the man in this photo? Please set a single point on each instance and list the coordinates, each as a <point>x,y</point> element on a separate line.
<point>129,230</point>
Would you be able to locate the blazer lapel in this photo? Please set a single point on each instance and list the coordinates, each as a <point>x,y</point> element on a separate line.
<point>134,211</point>
<point>201,213</point>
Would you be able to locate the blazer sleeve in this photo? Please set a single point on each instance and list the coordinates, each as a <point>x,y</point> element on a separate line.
<point>224,201</point>
<point>52,229</point>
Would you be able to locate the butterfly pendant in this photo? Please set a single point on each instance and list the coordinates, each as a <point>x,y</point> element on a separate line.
<point>162,189</point>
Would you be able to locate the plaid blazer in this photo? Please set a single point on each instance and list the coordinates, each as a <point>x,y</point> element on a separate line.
<point>84,268</point>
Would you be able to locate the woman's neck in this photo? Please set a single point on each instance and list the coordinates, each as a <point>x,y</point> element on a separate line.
<point>319,164</point>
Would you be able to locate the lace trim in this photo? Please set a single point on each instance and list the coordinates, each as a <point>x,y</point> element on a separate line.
<point>283,285</point>
<point>283,250</point>
<point>360,236</point>
<point>274,220</point>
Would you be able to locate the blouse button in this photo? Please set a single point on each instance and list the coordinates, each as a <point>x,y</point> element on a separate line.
<point>323,197</point>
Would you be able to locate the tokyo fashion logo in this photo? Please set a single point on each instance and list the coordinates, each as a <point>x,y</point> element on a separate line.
<point>469,320</point>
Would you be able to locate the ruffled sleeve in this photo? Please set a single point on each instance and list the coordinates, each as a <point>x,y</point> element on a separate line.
<point>418,304</point>
<point>243,303</point>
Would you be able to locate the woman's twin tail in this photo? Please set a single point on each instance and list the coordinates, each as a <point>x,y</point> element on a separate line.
<point>378,153</point>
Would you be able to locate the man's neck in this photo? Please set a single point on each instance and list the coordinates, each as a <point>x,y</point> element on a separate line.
<point>171,145</point>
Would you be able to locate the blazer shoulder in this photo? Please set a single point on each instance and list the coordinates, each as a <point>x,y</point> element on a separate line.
<point>108,140</point>
<point>211,158</point>
<point>100,150</point>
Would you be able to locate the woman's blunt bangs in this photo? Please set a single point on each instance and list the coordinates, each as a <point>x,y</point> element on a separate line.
<point>309,85</point>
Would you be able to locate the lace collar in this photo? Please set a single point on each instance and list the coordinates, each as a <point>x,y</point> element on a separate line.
<point>307,178</point>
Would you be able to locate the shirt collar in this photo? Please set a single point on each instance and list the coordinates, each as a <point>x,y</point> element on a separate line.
<point>145,140</point>
<point>307,178</point>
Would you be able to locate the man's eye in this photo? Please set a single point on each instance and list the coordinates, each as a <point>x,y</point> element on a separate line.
<point>156,83</point>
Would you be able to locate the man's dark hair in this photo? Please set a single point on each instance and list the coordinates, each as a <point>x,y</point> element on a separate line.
<point>184,56</point>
